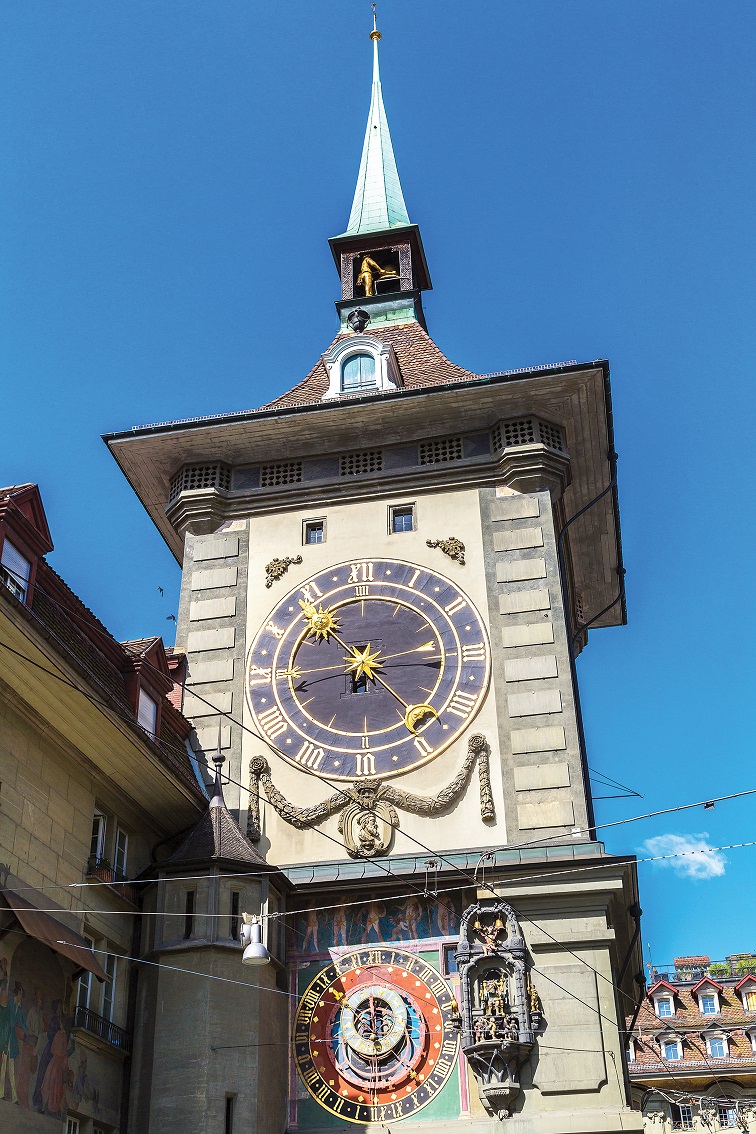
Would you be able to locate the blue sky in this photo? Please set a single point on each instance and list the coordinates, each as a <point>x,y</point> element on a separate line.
<point>583,176</point>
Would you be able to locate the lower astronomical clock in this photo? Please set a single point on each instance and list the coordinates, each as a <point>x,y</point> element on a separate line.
<point>376,1035</point>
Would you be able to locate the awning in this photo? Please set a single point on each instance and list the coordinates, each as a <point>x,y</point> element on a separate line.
<point>53,933</point>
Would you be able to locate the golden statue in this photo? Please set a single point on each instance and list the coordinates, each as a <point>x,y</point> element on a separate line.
<point>369,271</point>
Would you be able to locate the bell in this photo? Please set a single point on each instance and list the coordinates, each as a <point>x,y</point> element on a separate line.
<point>255,952</point>
<point>498,924</point>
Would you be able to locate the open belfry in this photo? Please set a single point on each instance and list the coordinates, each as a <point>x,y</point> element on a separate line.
<point>388,572</point>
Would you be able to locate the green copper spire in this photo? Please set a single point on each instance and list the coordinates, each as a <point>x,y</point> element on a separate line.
<point>378,201</point>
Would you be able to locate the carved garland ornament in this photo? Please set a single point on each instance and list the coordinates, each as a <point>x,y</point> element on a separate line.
<point>277,568</point>
<point>368,816</point>
<point>452,547</point>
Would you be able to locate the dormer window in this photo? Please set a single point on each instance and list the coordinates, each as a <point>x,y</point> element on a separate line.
<point>358,373</point>
<point>360,364</point>
<point>747,989</point>
<point>147,713</point>
<point>707,1003</point>
<point>15,570</point>
<point>717,1046</point>
<point>671,1050</point>
<point>664,1006</point>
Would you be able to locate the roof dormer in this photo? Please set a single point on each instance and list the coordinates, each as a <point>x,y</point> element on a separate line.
<point>360,364</point>
<point>24,539</point>
<point>708,994</point>
<point>663,996</point>
<point>746,988</point>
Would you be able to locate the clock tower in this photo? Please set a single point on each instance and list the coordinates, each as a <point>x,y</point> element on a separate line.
<point>388,574</point>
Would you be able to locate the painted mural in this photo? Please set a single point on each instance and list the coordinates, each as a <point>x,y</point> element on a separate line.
<point>41,1066</point>
<point>352,921</point>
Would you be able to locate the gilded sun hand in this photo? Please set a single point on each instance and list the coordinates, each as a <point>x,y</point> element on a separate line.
<point>320,622</point>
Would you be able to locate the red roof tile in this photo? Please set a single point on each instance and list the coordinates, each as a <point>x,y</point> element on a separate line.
<point>420,361</point>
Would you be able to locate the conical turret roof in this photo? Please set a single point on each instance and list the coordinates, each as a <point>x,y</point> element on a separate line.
<point>378,199</point>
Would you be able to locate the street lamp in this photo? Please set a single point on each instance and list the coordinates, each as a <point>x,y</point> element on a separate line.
<point>255,952</point>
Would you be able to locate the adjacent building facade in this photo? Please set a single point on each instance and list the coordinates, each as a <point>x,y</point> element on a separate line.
<point>692,1048</point>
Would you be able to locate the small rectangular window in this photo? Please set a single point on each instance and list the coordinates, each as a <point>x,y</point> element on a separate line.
<point>147,715</point>
<point>72,1125</point>
<point>110,963</point>
<point>234,919</point>
<point>750,1001</point>
<point>402,518</point>
<point>97,845</point>
<point>314,531</point>
<point>671,1049</point>
<point>708,1006</point>
<point>189,914</point>
<point>717,1048</point>
<point>728,1116</point>
<point>229,1125</point>
<point>121,853</point>
<point>664,1007</point>
<point>15,570</point>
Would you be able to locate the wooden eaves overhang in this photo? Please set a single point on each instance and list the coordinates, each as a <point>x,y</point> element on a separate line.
<point>575,396</point>
<point>111,748</point>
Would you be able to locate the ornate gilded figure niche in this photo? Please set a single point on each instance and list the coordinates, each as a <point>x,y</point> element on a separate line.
<point>501,1010</point>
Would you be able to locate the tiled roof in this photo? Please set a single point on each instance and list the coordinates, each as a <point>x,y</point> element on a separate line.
<point>420,361</point>
<point>139,646</point>
<point>12,489</point>
<point>217,836</point>
<point>688,1020</point>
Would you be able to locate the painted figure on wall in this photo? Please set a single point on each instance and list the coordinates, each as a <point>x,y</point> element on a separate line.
<point>345,922</point>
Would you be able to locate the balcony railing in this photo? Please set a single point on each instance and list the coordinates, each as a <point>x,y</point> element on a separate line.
<point>101,868</point>
<point>98,1026</point>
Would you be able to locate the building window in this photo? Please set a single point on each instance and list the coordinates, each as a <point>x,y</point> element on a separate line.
<point>314,531</point>
<point>189,914</point>
<point>85,984</point>
<point>717,1046</point>
<point>682,1116</point>
<point>727,1115</point>
<point>402,518</point>
<point>15,569</point>
<point>97,845</point>
<point>72,1125</point>
<point>110,963</point>
<point>120,855</point>
<point>664,1007</point>
<point>234,921</point>
<point>229,1124</point>
<point>708,1005</point>
<point>358,373</point>
<point>749,1000</point>
<point>147,715</point>
<point>671,1050</point>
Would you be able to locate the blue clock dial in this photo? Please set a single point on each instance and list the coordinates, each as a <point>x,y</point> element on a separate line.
<point>368,668</point>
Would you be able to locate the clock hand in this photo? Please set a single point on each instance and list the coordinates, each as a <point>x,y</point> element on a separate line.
<point>429,649</point>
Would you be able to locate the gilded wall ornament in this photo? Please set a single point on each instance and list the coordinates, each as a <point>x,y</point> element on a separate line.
<point>452,547</point>
<point>501,1009</point>
<point>366,837</point>
<point>277,568</point>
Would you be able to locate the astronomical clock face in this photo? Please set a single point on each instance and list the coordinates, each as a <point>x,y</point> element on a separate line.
<point>368,669</point>
<point>376,1035</point>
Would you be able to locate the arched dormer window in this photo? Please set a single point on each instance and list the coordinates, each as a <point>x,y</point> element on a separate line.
<point>360,364</point>
<point>358,373</point>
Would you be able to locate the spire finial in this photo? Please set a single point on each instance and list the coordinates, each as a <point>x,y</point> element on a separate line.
<point>378,201</point>
<point>216,799</point>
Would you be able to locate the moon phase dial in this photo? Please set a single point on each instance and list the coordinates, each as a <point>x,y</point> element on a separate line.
<point>375,1035</point>
<point>368,669</point>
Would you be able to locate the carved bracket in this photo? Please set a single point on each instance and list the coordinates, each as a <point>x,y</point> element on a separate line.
<point>452,547</point>
<point>277,568</point>
<point>368,816</point>
<point>501,1010</point>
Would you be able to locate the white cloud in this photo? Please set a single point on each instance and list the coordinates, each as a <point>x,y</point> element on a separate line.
<point>696,858</point>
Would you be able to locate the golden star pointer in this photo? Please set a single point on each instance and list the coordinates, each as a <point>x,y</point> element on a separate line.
<point>361,662</point>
